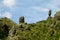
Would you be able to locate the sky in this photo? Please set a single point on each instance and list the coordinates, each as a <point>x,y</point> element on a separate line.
<point>32,10</point>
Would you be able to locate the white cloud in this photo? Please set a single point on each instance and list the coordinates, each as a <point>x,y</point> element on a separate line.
<point>56,2</point>
<point>54,5</point>
<point>0,14</point>
<point>9,3</point>
<point>40,8</point>
<point>7,14</point>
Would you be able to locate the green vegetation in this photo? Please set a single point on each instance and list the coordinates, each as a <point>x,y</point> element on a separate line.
<point>42,30</point>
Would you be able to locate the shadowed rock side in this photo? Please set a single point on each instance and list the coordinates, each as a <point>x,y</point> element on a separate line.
<point>42,30</point>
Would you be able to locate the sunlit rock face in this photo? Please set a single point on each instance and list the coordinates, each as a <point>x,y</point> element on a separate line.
<point>57,15</point>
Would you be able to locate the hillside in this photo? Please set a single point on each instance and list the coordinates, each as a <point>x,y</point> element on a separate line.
<point>5,25</point>
<point>48,29</point>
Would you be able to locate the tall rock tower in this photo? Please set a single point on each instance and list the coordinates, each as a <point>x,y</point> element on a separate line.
<point>21,19</point>
<point>49,14</point>
<point>49,19</point>
<point>21,23</point>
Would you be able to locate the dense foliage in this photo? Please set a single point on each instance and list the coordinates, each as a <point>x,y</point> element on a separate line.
<point>42,30</point>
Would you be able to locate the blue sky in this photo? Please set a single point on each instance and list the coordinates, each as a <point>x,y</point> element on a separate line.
<point>32,10</point>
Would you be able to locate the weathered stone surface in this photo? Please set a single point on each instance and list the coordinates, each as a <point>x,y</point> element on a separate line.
<point>11,34</point>
<point>57,15</point>
<point>21,19</point>
<point>49,13</point>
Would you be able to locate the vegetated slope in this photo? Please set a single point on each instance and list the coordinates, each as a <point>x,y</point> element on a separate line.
<point>8,22</point>
<point>48,29</point>
<point>5,25</point>
<point>42,30</point>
